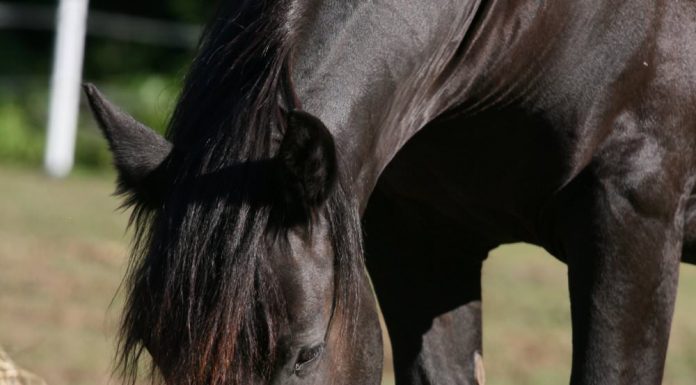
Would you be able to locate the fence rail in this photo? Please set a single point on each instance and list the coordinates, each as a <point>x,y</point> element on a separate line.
<point>115,26</point>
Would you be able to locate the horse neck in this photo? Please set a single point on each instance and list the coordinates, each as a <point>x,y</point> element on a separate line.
<point>371,70</point>
<point>377,71</point>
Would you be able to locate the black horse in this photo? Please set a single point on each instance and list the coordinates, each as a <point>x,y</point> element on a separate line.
<point>448,128</point>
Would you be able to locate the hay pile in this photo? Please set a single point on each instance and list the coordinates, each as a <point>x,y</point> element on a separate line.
<point>11,375</point>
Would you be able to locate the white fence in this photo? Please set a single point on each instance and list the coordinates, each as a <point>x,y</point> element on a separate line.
<point>65,87</point>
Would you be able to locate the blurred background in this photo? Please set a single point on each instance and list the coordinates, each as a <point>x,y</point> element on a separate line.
<point>63,244</point>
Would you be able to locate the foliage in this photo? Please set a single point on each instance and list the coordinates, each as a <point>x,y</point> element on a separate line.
<point>23,113</point>
<point>21,138</point>
<point>143,79</point>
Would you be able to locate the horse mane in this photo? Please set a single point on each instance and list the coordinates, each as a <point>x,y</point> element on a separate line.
<point>201,294</point>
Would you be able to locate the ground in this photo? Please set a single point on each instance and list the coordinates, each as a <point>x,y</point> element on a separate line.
<point>63,252</point>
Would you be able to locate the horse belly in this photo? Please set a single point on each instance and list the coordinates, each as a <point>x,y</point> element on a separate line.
<point>492,173</point>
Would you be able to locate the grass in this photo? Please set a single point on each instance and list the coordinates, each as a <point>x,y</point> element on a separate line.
<point>62,256</point>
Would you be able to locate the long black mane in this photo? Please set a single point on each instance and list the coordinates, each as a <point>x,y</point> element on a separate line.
<point>202,296</point>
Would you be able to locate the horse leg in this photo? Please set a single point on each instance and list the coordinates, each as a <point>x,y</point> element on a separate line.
<point>622,245</point>
<point>429,291</point>
<point>689,249</point>
<point>434,347</point>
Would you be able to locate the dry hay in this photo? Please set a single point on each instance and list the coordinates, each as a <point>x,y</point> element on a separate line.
<point>11,375</point>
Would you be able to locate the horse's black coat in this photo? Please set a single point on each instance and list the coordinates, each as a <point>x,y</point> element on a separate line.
<point>457,126</point>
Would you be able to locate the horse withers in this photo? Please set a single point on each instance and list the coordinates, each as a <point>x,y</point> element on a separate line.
<point>439,130</point>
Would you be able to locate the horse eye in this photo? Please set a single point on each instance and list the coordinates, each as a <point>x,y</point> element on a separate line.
<point>307,356</point>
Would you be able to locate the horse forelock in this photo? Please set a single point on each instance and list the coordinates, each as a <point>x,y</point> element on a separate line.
<point>202,297</point>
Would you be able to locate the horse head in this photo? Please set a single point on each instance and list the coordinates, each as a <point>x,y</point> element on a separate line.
<point>245,273</point>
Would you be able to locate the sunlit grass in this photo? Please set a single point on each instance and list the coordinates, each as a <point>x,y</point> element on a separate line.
<point>63,252</point>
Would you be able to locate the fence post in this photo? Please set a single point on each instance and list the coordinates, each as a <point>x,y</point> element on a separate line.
<point>65,87</point>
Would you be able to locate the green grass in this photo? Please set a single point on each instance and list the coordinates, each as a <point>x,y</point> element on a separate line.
<point>527,320</point>
<point>62,256</point>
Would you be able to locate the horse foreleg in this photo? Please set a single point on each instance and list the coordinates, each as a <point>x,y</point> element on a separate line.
<point>438,350</point>
<point>430,294</point>
<point>623,250</point>
<point>434,342</point>
<point>689,249</point>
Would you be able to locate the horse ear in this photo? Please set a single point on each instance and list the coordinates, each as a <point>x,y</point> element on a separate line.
<point>139,152</point>
<point>307,162</point>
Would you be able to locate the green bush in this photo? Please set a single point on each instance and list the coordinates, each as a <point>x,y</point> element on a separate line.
<point>18,141</point>
<point>23,118</point>
<point>21,115</point>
